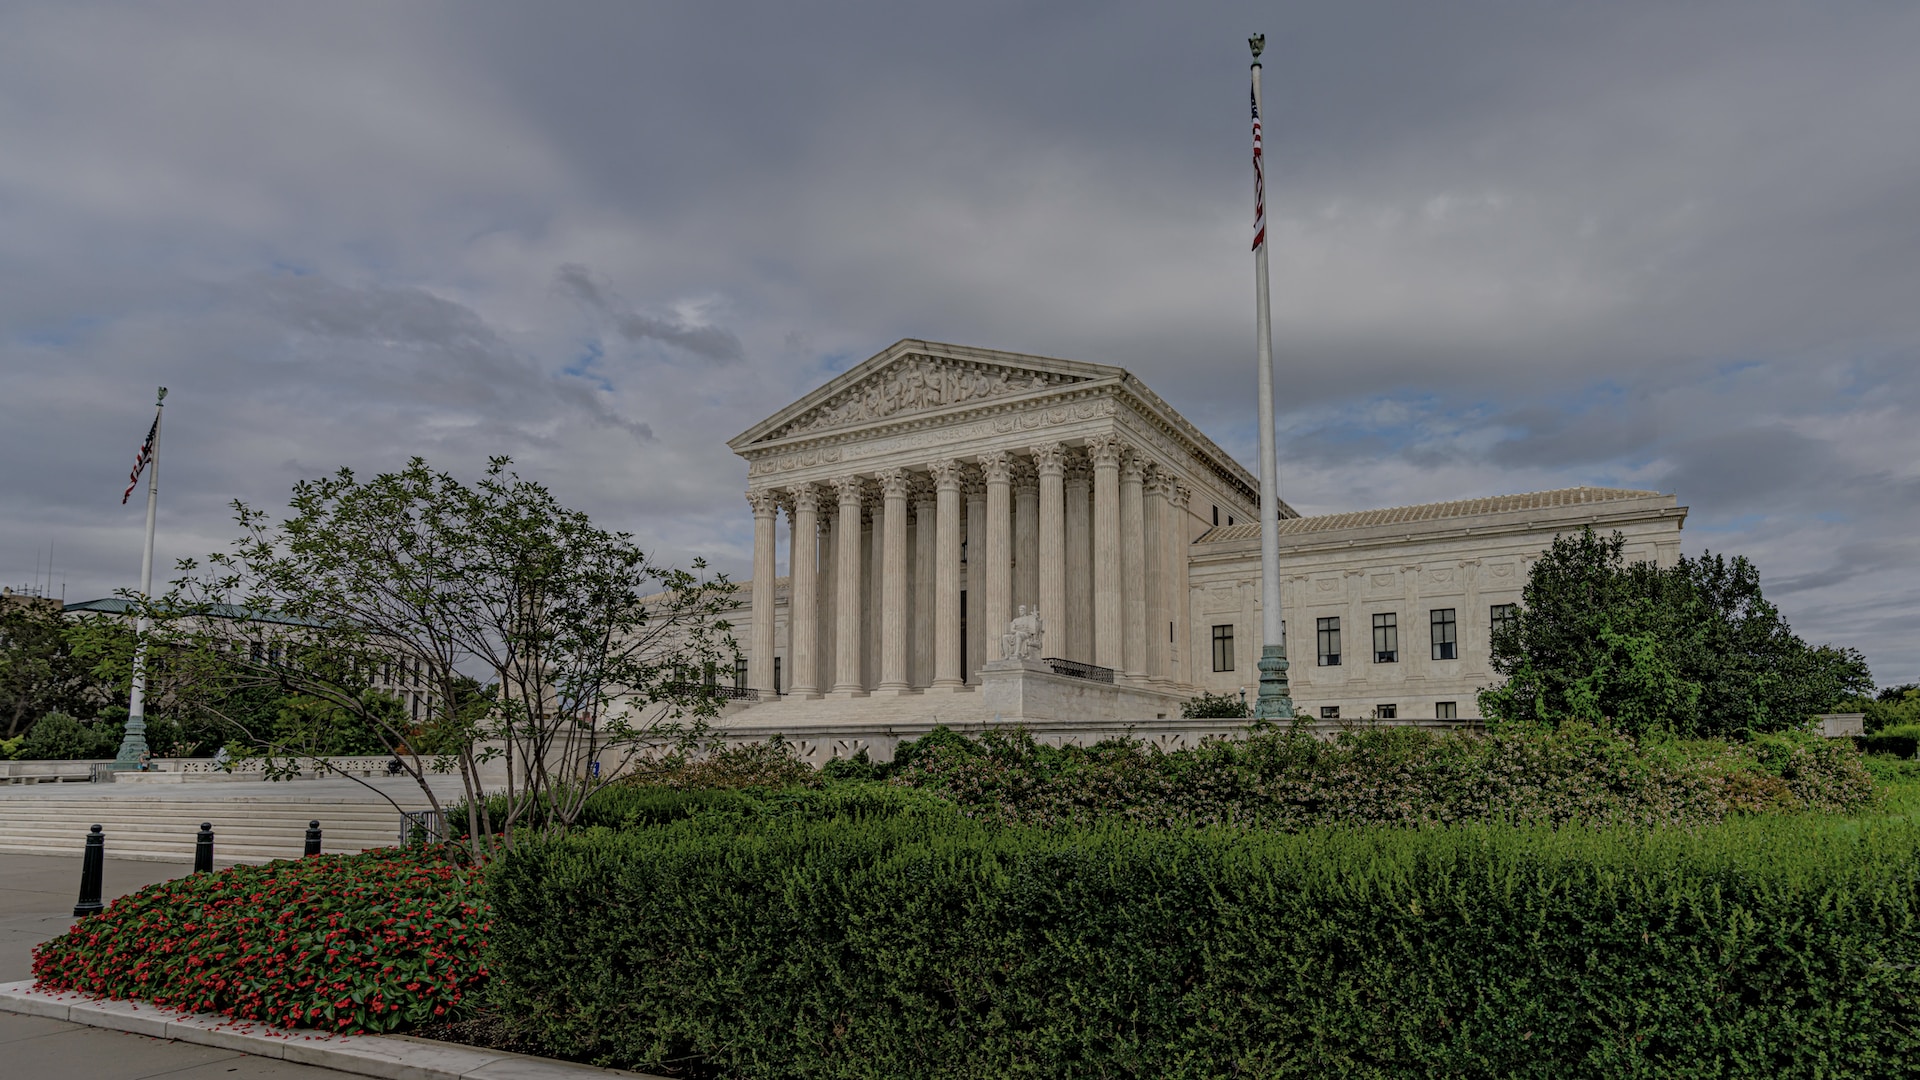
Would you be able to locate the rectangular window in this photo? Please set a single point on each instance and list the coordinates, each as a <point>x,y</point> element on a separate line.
<point>1329,712</point>
<point>1446,710</point>
<point>1502,614</point>
<point>739,674</point>
<point>1216,517</point>
<point>1386,712</point>
<point>1223,647</point>
<point>1329,642</point>
<point>1386,638</point>
<point>1443,634</point>
<point>776,675</point>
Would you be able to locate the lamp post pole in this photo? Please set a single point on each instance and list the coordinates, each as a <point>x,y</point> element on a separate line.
<point>133,742</point>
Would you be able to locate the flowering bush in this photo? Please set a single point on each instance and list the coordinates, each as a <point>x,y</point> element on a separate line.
<point>371,942</point>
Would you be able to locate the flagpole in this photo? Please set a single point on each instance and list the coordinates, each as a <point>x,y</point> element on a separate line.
<point>133,742</point>
<point>1274,702</point>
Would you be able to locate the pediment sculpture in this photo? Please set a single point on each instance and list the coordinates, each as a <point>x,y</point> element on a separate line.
<point>915,385</point>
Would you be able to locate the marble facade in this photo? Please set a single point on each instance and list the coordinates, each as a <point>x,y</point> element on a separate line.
<point>928,493</point>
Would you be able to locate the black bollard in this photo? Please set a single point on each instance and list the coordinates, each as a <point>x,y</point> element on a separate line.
<point>313,838</point>
<point>91,870</point>
<point>203,849</point>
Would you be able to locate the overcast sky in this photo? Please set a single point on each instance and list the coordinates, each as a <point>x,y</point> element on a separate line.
<point>1515,246</point>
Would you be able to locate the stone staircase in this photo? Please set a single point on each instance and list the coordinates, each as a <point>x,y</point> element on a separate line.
<point>252,823</point>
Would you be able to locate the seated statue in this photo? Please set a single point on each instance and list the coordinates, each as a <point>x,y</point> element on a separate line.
<point>1024,635</point>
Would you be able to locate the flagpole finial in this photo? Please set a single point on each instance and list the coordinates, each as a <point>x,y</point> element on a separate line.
<point>1258,43</point>
<point>163,395</point>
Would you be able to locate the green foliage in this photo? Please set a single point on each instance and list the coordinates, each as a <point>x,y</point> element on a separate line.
<point>11,749</point>
<point>771,764</point>
<point>49,663</point>
<point>371,942</point>
<point>1895,706</point>
<point>59,737</point>
<point>418,573</point>
<point>914,945</point>
<point>1205,706</point>
<point>1386,776</point>
<point>1691,650</point>
<point>1901,741</point>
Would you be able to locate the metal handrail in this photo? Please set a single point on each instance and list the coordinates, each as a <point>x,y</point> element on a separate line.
<point>1074,669</point>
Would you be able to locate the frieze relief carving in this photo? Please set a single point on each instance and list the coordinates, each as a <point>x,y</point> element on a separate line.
<point>918,384</point>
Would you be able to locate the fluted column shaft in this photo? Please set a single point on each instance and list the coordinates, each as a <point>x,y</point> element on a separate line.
<point>946,574</point>
<point>848,622</point>
<point>803,613</point>
<point>1050,463</point>
<point>1179,582</point>
<point>766,510</point>
<point>893,587</point>
<point>976,652</point>
<point>832,534</point>
<point>873,618</point>
<point>1159,632</point>
<point>1105,453</point>
<point>1078,622</point>
<point>1133,567</point>
<point>920,669</point>
<point>997,608</point>
<point>1026,536</point>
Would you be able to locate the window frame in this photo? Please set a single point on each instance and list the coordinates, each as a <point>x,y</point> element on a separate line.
<point>1323,627</point>
<point>1329,712</point>
<point>1391,653</point>
<point>1446,710</point>
<point>1221,640</point>
<point>1387,711</point>
<point>1445,642</point>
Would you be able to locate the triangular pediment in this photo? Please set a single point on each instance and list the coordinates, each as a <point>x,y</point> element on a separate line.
<point>915,377</point>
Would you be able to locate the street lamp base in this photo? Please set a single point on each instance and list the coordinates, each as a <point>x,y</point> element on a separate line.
<point>1274,702</point>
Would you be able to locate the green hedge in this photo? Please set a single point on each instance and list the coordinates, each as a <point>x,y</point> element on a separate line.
<point>1900,741</point>
<point>901,941</point>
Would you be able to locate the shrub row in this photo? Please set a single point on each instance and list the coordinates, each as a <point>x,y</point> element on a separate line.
<point>1287,779</point>
<point>371,942</point>
<point>903,942</point>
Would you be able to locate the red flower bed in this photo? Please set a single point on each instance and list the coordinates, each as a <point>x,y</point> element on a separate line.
<point>373,942</point>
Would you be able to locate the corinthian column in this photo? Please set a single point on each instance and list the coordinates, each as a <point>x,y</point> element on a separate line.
<point>1159,632</point>
<point>847,616</point>
<point>766,510</point>
<point>996,607</point>
<point>946,575</point>
<point>1179,582</point>
<point>803,615</point>
<point>920,670</point>
<point>1078,624</point>
<point>1026,535</point>
<point>893,587</point>
<point>1050,463</point>
<point>1105,452</point>
<point>1133,566</point>
<point>976,651</point>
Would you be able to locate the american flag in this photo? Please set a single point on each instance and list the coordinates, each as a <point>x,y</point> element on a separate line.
<point>140,460</point>
<point>1259,179</point>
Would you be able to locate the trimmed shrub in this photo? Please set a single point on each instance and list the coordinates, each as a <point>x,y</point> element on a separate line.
<point>1900,740</point>
<point>371,942</point>
<point>59,737</point>
<point>917,945</point>
<point>1386,776</point>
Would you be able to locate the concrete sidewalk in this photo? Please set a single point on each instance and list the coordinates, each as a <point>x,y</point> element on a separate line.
<point>37,893</point>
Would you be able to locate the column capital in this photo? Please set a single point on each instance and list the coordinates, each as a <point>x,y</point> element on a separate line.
<point>1133,467</point>
<point>806,496</point>
<point>1160,482</point>
<point>948,474</point>
<point>765,502</point>
<point>1180,495</point>
<point>851,489</point>
<point>1049,459</point>
<point>996,467</point>
<point>1078,469</point>
<point>895,483</point>
<point>1105,451</point>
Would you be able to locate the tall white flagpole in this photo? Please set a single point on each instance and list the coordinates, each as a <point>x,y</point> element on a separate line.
<point>133,743</point>
<point>1274,702</point>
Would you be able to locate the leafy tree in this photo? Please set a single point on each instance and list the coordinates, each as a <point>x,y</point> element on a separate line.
<point>1693,649</point>
<point>46,666</point>
<point>584,640</point>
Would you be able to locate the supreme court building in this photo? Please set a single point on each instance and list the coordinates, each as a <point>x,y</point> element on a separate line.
<point>931,492</point>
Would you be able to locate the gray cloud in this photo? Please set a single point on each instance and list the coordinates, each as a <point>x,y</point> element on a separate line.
<point>1514,247</point>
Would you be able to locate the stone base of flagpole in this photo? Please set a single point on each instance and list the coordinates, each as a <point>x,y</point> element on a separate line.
<point>1274,702</point>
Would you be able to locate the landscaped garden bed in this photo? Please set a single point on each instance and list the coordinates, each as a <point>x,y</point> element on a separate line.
<point>1393,903</point>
